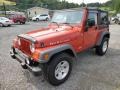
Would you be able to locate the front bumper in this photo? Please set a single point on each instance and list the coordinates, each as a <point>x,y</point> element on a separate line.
<point>25,61</point>
<point>8,23</point>
<point>33,19</point>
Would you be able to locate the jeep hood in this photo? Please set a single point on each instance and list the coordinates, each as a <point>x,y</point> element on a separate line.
<point>53,36</point>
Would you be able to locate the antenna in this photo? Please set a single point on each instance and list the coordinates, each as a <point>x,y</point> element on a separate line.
<point>83,3</point>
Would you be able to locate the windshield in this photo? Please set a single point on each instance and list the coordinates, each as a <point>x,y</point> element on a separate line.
<point>71,17</point>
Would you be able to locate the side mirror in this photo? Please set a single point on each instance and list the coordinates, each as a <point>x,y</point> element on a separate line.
<point>90,23</point>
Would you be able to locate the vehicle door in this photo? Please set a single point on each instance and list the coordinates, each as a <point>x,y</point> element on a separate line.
<point>90,31</point>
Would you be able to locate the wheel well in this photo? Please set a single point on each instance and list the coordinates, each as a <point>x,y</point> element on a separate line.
<point>107,35</point>
<point>68,51</point>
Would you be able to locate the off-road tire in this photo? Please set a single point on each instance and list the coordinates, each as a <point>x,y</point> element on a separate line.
<point>49,69</point>
<point>99,49</point>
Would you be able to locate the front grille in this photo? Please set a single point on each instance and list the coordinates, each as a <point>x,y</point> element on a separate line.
<point>25,46</point>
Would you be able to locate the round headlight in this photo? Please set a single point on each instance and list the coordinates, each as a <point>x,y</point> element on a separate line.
<point>32,47</point>
<point>19,42</point>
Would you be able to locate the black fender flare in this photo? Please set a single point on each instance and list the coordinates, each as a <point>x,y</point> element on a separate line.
<point>102,36</point>
<point>55,50</point>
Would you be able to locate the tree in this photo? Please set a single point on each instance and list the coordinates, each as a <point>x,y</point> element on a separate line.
<point>50,4</point>
<point>116,5</point>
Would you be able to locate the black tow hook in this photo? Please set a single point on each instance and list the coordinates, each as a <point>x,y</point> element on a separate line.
<point>24,66</point>
<point>12,55</point>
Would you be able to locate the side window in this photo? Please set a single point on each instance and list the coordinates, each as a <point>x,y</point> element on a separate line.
<point>43,15</point>
<point>103,18</point>
<point>92,17</point>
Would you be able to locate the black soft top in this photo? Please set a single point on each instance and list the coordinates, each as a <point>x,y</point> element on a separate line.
<point>93,9</point>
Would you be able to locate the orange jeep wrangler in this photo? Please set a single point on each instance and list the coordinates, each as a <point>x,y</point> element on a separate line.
<point>52,50</point>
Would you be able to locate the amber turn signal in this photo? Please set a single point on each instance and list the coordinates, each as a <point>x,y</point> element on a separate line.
<point>46,56</point>
<point>36,56</point>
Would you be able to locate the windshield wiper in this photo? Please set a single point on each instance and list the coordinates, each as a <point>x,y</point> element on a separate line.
<point>56,23</point>
<point>67,24</point>
<point>62,23</point>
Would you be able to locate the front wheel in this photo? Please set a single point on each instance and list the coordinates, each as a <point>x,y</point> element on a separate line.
<point>9,25</point>
<point>59,69</point>
<point>1,25</point>
<point>23,22</point>
<point>37,19</point>
<point>102,49</point>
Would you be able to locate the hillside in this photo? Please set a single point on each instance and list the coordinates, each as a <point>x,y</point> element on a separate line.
<point>22,5</point>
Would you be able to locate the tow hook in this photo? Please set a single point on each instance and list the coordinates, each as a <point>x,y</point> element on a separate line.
<point>12,54</point>
<point>24,66</point>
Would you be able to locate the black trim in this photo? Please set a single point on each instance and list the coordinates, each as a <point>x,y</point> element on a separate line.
<point>25,36</point>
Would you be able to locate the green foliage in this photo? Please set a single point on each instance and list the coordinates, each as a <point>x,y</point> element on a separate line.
<point>111,5</point>
<point>94,4</point>
<point>116,5</point>
<point>51,4</point>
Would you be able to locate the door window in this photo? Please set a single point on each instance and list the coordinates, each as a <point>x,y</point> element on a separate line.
<point>103,18</point>
<point>44,15</point>
<point>92,19</point>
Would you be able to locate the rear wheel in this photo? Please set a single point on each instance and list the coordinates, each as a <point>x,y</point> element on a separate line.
<point>102,49</point>
<point>47,19</point>
<point>59,69</point>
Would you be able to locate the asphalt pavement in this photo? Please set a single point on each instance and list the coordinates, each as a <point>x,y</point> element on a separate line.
<point>90,72</point>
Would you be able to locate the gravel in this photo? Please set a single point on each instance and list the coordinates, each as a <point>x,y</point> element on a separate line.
<point>90,72</point>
